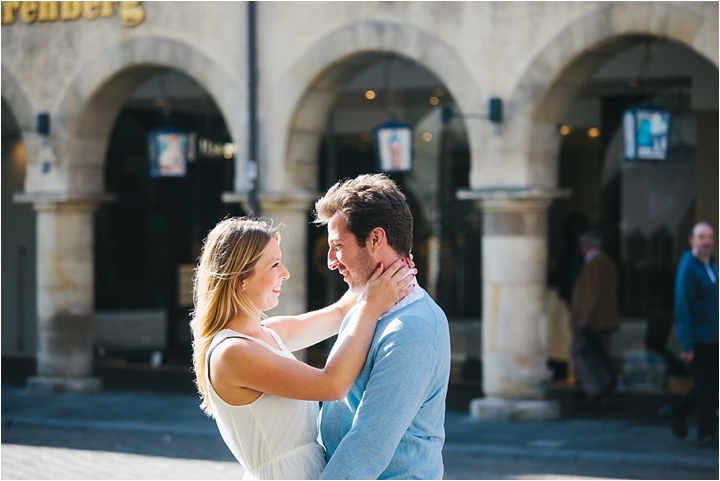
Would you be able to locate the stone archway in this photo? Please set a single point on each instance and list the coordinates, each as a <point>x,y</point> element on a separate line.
<point>24,112</point>
<point>65,183</point>
<point>550,83</point>
<point>515,214</point>
<point>16,98</point>
<point>18,246</point>
<point>87,109</point>
<point>308,86</point>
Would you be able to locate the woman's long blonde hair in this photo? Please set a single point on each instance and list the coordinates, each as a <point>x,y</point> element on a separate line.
<point>228,257</point>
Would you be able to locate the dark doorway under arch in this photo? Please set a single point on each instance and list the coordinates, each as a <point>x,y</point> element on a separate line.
<point>375,88</point>
<point>148,241</point>
<point>18,245</point>
<point>644,209</point>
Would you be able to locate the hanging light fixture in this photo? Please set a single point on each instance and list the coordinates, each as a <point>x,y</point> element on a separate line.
<point>168,147</point>
<point>646,126</point>
<point>393,139</point>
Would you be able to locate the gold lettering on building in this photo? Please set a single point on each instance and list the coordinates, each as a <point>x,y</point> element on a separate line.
<point>129,13</point>
<point>92,10</point>
<point>208,148</point>
<point>108,9</point>
<point>70,10</point>
<point>28,11</point>
<point>49,12</point>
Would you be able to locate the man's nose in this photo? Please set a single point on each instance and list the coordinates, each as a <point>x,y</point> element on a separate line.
<point>332,261</point>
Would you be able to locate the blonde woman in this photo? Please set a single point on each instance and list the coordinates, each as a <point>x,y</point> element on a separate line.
<point>264,400</point>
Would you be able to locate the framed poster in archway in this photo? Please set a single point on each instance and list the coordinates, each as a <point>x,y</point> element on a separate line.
<point>393,141</point>
<point>168,150</point>
<point>646,132</point>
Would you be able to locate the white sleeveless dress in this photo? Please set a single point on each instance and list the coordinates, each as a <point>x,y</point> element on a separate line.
<point>272,437</point>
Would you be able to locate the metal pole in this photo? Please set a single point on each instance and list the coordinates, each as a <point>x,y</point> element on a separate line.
<point>253,167</point>
<point>331,291</point>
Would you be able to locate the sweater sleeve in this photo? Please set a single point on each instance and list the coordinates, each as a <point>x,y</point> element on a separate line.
<point>397,387</point>
<point>683,292</point>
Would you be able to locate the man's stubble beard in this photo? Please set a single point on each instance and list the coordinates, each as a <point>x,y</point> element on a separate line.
<point>365,268</point>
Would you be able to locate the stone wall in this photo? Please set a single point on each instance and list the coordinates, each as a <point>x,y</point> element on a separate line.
<point>532,55</point>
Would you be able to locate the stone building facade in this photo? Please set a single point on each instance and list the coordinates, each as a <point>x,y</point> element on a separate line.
<point>534,56</point>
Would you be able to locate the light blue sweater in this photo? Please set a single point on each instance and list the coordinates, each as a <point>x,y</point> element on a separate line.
<point>391,424</point>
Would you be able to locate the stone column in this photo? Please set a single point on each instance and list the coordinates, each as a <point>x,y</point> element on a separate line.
<point>292,210</point>
<point>65,292</point>
<point>514,330</point>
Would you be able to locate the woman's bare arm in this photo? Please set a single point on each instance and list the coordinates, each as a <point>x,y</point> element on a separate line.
<point>304,330</point>
<point>299,332</point>
<point>243,369</point>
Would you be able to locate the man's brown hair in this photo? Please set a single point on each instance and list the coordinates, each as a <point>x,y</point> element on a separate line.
<point>366,202</point>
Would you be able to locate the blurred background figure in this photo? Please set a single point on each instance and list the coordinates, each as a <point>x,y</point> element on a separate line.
<point>594,319</point>
<point>696,317</point>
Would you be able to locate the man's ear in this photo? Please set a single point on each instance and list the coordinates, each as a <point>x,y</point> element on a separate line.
<point>376,239</point>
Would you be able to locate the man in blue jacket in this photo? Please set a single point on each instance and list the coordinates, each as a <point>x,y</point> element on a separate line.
<point>696,316</point>
<point>391,423</point>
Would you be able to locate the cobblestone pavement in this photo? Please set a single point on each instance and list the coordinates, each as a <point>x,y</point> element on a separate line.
<point>36,452</point>
<point>464,466</point>
<point>155,435</point>
<point>31,452</point>
<point>34,462</point>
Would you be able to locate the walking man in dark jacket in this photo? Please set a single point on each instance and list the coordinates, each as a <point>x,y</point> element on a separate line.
<point>594,315</point>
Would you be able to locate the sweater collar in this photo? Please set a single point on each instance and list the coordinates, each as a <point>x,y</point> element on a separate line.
<point>416,294</point>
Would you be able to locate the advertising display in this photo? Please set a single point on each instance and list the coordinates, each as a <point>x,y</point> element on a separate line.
<point>168,150</point>
<point>646,132</point>
<point>394,146</point>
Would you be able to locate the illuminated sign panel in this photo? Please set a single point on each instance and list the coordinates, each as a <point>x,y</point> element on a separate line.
<point>168,150</point>
<point>394,142</point>
<point>646,132</point>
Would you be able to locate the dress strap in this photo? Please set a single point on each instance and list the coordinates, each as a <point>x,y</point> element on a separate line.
<point>209,353</point>
<point>277,338</point>
<point>238,335</point>
<point>234,334</point>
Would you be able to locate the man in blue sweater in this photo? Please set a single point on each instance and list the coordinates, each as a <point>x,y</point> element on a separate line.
<point>696,315</point>
<point>391,423</point>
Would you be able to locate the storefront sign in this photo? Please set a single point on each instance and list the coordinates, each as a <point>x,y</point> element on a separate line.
<point>216,150</point>
<point>129,13</point>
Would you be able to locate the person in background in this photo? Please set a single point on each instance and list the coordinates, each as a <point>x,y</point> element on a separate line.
<point>696,318</point>
<point>594,317</point>
<point>391,423</point>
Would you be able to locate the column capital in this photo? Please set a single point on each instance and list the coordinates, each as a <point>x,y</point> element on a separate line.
<point>506,198</point>
<point>54,200</point>
<point>292,200</point>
